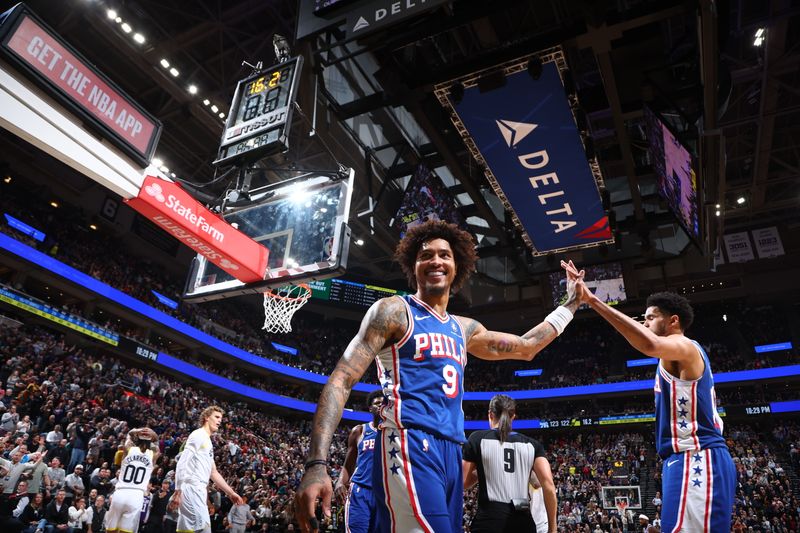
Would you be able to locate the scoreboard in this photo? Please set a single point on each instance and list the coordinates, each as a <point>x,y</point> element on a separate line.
<point>261,114</point>
<point>349,292</point>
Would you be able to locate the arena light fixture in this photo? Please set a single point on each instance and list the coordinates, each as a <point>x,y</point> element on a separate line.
<point>360,242</point>
<point>111,14</point>
<point>221,115</point>
<point>157,162</point>
<point>717,212</point>
<point>192,89</point>
<point>139,38</point>
<point>165,63</point>
<point>7,179</point>
<point>126,27</point>
<point>54,204</point>
<point>118,20</point>
<point>760,36</point>
<point>214,108</point>
<point>206,102</point>
<point>93,226</point>
<point>174,72</point>
<point>740,200</point>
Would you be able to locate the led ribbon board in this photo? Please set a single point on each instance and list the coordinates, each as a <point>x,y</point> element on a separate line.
<point>72,80</point>
<point>261,113</point>
<point>524,133</point>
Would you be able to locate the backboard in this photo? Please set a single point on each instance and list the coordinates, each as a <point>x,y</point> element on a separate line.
<point>303,223</point>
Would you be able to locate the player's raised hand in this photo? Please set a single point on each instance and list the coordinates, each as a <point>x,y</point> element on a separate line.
<point>316,483</point>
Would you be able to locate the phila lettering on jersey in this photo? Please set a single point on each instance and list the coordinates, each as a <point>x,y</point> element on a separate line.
<point>366,447</point>
<point>686,412</point>
<point>136,469</point>
<point>422,375</point>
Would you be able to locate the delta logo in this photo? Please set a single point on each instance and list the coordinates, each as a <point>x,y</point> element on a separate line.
<point>547,186</point>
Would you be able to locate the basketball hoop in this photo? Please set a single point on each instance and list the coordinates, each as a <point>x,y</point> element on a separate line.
<point>280,305</point>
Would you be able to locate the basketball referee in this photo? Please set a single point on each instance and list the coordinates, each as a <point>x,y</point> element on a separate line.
<point>501,461</point>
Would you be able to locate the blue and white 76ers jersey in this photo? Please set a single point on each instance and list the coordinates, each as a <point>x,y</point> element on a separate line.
<point>422,375</point>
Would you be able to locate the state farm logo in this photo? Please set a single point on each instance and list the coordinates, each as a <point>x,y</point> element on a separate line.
<point>155,190</point>
<point>228,265</point>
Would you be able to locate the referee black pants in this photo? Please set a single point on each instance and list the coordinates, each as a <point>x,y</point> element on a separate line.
<point>495,517</point>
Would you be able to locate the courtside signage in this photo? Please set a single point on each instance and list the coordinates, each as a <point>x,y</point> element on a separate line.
<point>67,76</point>
<point>525,134</point>
<point>176,212</point>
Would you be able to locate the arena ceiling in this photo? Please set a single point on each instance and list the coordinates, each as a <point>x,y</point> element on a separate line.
<point>686,59</point>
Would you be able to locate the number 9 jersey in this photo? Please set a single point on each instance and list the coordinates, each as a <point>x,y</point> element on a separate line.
<point>422,375</point>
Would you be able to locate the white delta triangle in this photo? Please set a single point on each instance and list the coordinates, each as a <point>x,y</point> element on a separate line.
<point>360,23</point>
<point>514,132</point>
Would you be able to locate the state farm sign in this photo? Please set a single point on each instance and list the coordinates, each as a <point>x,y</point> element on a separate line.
<point>186,219</point>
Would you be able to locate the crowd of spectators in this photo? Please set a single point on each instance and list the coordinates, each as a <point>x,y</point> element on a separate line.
<point>588,353</point>
<point>66,411</point>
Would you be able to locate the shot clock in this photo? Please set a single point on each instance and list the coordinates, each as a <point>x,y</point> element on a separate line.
<point>261,114</point>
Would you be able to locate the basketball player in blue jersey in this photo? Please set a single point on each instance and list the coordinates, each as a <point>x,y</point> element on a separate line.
<point>354,488</point>
<point>698,475</point>
<point>420,352</point>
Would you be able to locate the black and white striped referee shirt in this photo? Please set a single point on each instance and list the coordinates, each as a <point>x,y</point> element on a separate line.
<point>503,467</point>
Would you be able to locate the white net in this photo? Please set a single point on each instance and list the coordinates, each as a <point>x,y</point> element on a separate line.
<point>280,305</point>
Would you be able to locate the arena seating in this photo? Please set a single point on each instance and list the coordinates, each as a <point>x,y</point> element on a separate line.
<point>48,382</point>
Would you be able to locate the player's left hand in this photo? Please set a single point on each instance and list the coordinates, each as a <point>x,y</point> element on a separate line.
<point>576,288</point>
<point>236,499</point>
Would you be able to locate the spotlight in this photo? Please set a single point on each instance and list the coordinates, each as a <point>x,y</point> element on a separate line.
<point>740,200</point>
<point>139,38</point>
<point>93,226</point>
<point>214,108</point>
<point>126,27</point>
<point>165,63</point>
<point>174,72</point>
<point>360,242</point>
<point>221,115</point>
<point>534,67</point>
<point>192,89</point>
<point>111,14</point>
<point>457,92</point>
<point>206,102</point>
<point>54,204</point>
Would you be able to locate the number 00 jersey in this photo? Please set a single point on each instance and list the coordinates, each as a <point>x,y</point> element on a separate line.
<point>422,375</point>
<point>136,469</point>
<point>686,412</point>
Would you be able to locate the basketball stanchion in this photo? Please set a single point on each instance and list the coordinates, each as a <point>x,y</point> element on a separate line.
<point>280,305</point>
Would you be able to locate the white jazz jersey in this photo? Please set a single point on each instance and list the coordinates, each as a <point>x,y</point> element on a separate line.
<point>197,459</point>
<point>136,469</point>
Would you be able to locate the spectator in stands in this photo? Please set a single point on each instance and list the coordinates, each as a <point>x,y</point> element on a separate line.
<point>98,515</point>
<point>60,452</point>
<point>55,475</point>
<point>57,514</point>
<point>73,483</point>
<point>79,515</point>
<point>82,432</point>
<point>14,470</point>
<point>32,517</point>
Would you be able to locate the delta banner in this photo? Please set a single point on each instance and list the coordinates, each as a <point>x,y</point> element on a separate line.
<point>526,132</point>
<point>179,214</point>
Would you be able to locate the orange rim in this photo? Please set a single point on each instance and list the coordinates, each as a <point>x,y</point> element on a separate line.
<point>276,296</point>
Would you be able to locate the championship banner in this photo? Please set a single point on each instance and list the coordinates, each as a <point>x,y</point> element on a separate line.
<point>179,214</point>
<point>738,247</point>
<point>524,133</point>
<point>768,242</point>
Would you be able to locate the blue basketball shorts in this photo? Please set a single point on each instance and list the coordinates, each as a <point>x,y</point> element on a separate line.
<point>360,515</point>
<point>698,491</point>
<point>417,482</point>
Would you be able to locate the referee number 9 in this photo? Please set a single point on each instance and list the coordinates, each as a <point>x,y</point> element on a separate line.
<point>450,375</point>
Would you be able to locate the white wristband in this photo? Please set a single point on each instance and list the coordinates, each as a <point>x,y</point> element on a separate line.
<point>559,318</point>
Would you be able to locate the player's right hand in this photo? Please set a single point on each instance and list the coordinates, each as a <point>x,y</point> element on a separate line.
<point>316,483</point>
<point>174,501</point>
<point>341,493</point>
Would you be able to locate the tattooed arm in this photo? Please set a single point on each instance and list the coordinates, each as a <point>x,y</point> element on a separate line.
<point>496,345</point>
<point>384,323</point>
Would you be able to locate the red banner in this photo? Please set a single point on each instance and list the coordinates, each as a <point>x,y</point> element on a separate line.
<point>77,81</point>
<point>186,219</point>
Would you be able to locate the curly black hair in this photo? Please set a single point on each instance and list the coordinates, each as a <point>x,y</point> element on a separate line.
<point>377,393</point>
<point>673,304</point>
<point>460,242</point>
